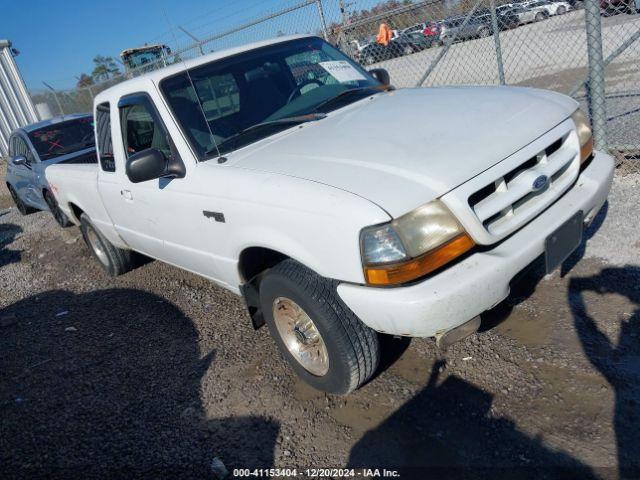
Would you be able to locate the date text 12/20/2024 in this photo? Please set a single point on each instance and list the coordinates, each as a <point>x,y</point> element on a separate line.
<point>316,473</point>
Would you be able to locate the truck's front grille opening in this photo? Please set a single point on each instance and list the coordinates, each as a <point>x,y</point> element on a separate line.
<point>518,195</point>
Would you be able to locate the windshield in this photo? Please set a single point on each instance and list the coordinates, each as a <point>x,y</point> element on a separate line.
<point>279,81</point>
<point>63,138</point>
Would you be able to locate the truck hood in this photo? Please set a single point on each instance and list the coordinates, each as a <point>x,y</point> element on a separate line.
<point>404,148</point>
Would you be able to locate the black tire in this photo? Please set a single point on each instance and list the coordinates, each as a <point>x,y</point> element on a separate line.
<point>540,16</point>
<point>352,347</point>
<point>115,261</point>
<point>561,10</point>
<point>58,214</point>
<point>408,50</point>
<point>20,205</point>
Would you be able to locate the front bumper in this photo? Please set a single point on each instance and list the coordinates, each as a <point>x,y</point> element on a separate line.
<point>480,281</point>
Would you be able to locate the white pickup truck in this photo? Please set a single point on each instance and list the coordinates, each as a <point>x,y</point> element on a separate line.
<point>286,173</point>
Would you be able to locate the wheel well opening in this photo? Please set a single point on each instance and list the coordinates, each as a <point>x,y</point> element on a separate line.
<point>255,260</point>
<point>76,210</point>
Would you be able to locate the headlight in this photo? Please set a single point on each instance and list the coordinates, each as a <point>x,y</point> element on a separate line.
<point>583,129</point>
<point>413,245</point>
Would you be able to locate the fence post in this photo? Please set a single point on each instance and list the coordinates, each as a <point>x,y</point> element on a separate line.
<point>323,22</point>
<point>496,38</point>
<point>595,84</point>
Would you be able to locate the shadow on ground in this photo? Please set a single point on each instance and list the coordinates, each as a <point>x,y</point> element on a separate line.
<point>8,233</point>
<point>107,383</point>
<point>617,360</point>
<point>447,430</point>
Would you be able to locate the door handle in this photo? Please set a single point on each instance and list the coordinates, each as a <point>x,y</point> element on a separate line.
<point>126,194</point>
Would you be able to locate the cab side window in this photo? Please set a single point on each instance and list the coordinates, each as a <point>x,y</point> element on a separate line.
<point>103,131</point>
<point>142,129</point>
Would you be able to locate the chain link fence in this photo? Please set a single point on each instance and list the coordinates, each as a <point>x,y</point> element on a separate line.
<point>589,50</point>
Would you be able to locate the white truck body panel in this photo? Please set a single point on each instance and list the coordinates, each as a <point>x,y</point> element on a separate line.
<point>308,191</point>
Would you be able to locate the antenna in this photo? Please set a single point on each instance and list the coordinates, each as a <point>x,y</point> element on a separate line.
<point>195,92</point>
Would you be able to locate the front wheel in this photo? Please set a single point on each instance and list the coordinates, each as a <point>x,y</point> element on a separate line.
<point>540,16</point>
<point>115,261</point>
<point>561,10</point>
<point>21,206</point>
<point>323,341</point>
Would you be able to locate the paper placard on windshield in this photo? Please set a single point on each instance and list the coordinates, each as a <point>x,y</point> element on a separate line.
<point>342,71</point>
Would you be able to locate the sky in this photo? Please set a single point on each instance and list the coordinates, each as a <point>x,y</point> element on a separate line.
<point>58,40</point>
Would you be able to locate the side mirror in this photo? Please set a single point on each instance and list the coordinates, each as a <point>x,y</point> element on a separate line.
<point>151,163</point>
<point>19,160</point>
<point>381,75</point>
<point>146,165</point>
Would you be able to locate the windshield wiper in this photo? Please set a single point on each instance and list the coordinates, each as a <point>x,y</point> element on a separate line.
<point>343,94</point>
<point>233,139</point>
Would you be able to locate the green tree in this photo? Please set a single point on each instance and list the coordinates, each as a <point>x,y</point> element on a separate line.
<point>104,68</point>
<point>84,80</point>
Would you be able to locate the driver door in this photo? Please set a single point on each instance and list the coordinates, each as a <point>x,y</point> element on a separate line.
<point>133,207</point>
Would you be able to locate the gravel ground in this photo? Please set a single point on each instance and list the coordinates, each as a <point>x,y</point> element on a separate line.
<point>157,372</point>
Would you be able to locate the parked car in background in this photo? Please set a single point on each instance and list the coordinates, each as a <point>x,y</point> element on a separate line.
<point>359,44</point>
<point>64,139</point>
<point>504,7</point>
<point>614,7</point>
<point>418,27</point>
<point>558,7</point>
<point>552,8</point>
<point>527,14</point>
<point>405,44</point>
<point>434,30</point>
<point>337,211</point>
<point>416,41</point>
<point>478,26</point>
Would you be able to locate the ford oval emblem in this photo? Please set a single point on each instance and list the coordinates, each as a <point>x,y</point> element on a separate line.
<point>540,182</point>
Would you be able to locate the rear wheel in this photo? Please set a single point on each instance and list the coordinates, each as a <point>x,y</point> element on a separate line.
<point>561,10</point>
<point>20,205</point>
<point>323,341</point>
<point>540,16</point>
<point>115,261</point>
<point>58,214</point>
<point>408,50</point>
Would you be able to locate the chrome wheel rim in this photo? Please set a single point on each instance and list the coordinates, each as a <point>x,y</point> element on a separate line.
<point>96,246</point>
<point>301,336</point>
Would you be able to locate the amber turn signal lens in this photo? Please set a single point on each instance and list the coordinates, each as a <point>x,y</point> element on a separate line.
<point>586,150</point>
<point>418,267</point>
